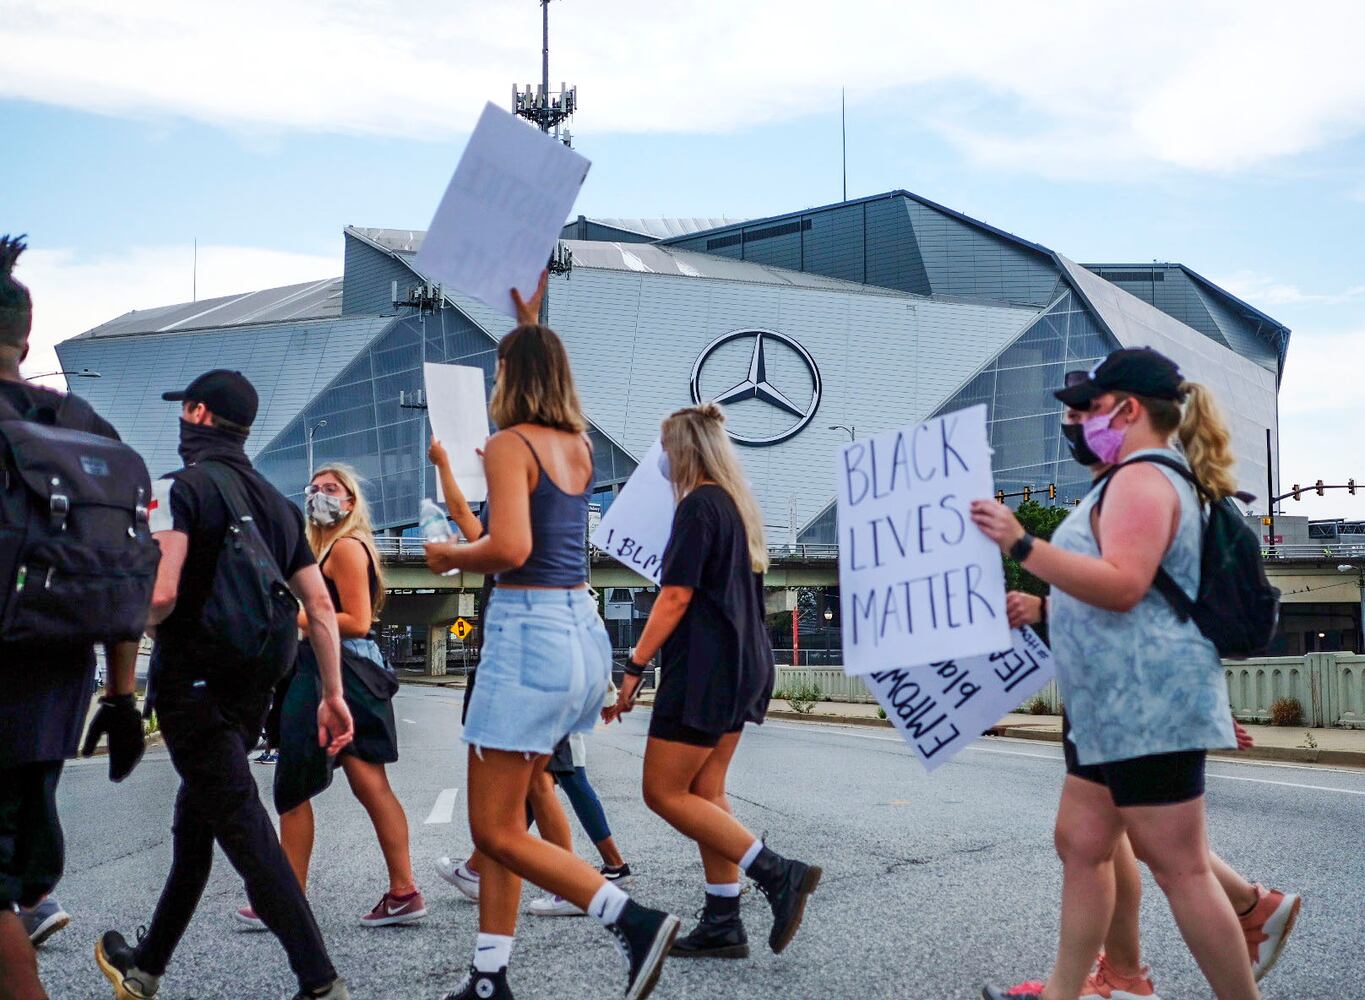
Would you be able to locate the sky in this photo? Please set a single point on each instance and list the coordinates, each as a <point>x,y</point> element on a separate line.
<point>1229,136</point>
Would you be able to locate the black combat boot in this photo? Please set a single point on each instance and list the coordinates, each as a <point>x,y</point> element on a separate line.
<point>786,884</point>
<point>720,934</point>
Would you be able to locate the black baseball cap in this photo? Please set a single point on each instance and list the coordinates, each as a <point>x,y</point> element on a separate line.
<point>226,393</point>
<point>1140,372</point>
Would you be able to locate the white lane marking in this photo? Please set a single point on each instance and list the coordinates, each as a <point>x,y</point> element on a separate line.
<point>411,722</point>
<point>835,730</point>
<point>444,809</point>
<point>1290,784</point>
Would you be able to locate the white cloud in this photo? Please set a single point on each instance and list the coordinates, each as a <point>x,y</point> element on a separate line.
<point>73,293</point>
<point>1262,289</point>
<point>1072,88</point>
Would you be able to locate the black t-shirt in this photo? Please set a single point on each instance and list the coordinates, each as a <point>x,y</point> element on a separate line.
<point>44,696</point>
<point>196,508</point>
<point>720,649</point>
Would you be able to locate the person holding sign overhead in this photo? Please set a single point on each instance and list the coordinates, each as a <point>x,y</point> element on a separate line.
<point>546,660</point>
<point>717,675</point>
<point>1144,690</point>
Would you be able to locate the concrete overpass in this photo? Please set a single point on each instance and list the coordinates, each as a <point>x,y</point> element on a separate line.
<point>1323,590</point>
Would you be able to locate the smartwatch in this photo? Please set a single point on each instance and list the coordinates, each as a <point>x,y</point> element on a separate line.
<point>1022,549</point>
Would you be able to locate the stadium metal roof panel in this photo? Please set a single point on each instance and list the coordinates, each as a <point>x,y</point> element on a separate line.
<point>309,300</point>
<point>662,229</point>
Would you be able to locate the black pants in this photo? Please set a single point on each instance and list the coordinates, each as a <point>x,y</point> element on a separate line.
<point>208,740</point>
<point>31,846</point>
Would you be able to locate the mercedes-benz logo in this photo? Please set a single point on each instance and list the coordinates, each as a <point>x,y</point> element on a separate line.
<point>756,384</point>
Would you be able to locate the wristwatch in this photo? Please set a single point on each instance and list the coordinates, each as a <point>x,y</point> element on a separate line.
<point>633,668</point>
<point>1021,549</point>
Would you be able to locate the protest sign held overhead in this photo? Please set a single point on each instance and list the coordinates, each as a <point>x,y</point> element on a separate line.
<point>918,582</point>
<point>502,214</point>
<point>457,403</point>
<point>942,707</point>
<point>635,528</point>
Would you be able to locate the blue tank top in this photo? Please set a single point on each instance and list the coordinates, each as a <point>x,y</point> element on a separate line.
<point>559,535</point>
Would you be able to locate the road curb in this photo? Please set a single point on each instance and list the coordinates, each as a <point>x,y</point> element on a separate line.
<point>1284,755</point>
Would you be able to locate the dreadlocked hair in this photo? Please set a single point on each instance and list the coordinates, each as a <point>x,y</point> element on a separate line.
<point>16,306</point>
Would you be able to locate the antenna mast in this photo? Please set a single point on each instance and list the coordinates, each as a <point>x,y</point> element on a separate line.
<point>545,110</point>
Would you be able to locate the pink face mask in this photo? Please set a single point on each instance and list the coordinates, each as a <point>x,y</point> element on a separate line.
<point>1104,441</point>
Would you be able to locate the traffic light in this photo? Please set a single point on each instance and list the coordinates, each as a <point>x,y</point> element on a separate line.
<point>999,496</point>
<point>1028,493</point>
<point>1296,492</point>
<point>1052,491</point>
<point>1351,487</point>
<point>1319,489</point>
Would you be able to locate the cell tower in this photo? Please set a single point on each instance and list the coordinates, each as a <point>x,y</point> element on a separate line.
<point>545,110</point>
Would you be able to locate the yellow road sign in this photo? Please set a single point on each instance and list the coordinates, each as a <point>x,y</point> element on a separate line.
<point>461,629</point>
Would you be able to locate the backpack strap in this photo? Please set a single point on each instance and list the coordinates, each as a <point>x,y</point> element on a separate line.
<point>1162,583</point>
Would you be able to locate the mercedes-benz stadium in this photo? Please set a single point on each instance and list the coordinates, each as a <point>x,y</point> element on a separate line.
<point>810,328</point>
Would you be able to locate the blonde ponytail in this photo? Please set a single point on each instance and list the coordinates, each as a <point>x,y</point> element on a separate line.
<point>1207,443</point>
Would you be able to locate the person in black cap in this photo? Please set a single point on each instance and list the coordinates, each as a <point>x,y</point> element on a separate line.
<point>44,690</point>
<point>1144,689</point>
<point>210,713</point>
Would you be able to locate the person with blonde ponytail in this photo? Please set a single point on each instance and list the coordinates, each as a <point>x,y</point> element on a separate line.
<point>341,536</point>
<point>1144,690</point>
<point>717,675</point>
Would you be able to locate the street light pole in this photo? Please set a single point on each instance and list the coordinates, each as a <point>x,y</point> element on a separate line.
<point>852,432</point>
<point>311,431</point>
<point>83,373</point>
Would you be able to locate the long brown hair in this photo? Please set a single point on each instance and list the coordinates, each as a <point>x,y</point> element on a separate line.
<point>357,524</point>
<point>698,449</point>
<point>1203,435</point>
<point>535,385</point>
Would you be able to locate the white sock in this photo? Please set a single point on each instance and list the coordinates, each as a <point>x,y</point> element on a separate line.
<point>492,952</point>
<point>727,890</point>
<point>754,849</point>
<point>607,905</point>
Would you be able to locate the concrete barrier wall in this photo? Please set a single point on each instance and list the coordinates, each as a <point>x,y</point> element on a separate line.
<point>1329,686</point>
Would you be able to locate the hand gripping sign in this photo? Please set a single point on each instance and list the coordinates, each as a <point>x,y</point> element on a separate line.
<point>634,531</point>
<point>942,707</point>
<point>918,582</point>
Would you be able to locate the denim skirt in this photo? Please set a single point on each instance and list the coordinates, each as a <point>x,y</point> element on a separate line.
<point>543,673</point>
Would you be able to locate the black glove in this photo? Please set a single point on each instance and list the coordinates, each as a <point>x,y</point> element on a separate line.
<point>119,719</point>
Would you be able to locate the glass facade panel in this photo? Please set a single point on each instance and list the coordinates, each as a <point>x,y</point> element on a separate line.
<point>386,442</point>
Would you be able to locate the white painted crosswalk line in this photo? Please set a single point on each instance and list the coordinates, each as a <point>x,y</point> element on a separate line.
<point>444,809</point>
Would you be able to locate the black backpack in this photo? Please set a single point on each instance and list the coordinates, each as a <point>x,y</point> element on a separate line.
<point>250,615</point>
<point>1236,608</point>
<point>77,559</point>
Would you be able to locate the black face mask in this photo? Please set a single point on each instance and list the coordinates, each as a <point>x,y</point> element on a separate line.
<point>1074,434</point>
<point>200,442</point>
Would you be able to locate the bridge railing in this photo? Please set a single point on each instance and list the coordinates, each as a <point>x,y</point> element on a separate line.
<point>404,548</point>
<point>1345,551</point>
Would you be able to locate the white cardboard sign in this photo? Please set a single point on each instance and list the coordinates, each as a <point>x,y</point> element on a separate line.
<point>918,582</point>
<point>634,531</point>
<point>942,707</point>
<point>503,211</point>
<point>457,404</point>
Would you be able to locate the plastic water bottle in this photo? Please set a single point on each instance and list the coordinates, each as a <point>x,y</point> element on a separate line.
<point>432,522</point>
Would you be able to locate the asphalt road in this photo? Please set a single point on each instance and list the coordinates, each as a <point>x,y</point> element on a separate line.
<point>931,886</point>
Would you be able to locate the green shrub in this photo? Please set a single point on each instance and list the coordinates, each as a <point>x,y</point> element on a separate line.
<point>1286,712</point>
<point>881,712</point>
<point>801,698</point>
<point>1037,705</point>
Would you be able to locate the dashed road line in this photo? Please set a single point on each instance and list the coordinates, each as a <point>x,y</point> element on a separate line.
<point>444,809</point>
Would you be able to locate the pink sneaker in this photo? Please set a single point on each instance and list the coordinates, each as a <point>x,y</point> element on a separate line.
<point>393,909</point>
<point>1267,927</point>
<point>1107,983</point>
<point>247,916</point>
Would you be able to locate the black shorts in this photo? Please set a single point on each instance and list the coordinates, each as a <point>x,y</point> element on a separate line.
<point>31,847</point>
<point>1160,779</point>
<point>663,727</point>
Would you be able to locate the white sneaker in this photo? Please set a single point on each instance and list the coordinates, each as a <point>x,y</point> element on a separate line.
<point>554,906</point>
<point>460,876</point>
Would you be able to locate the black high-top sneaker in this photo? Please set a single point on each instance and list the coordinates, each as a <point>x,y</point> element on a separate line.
<point>118,961</point>
<point>337,991</point>
<point>483,986</point>
<point>644,937</point>
<point>786,883</point>
<point>720,934</point>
